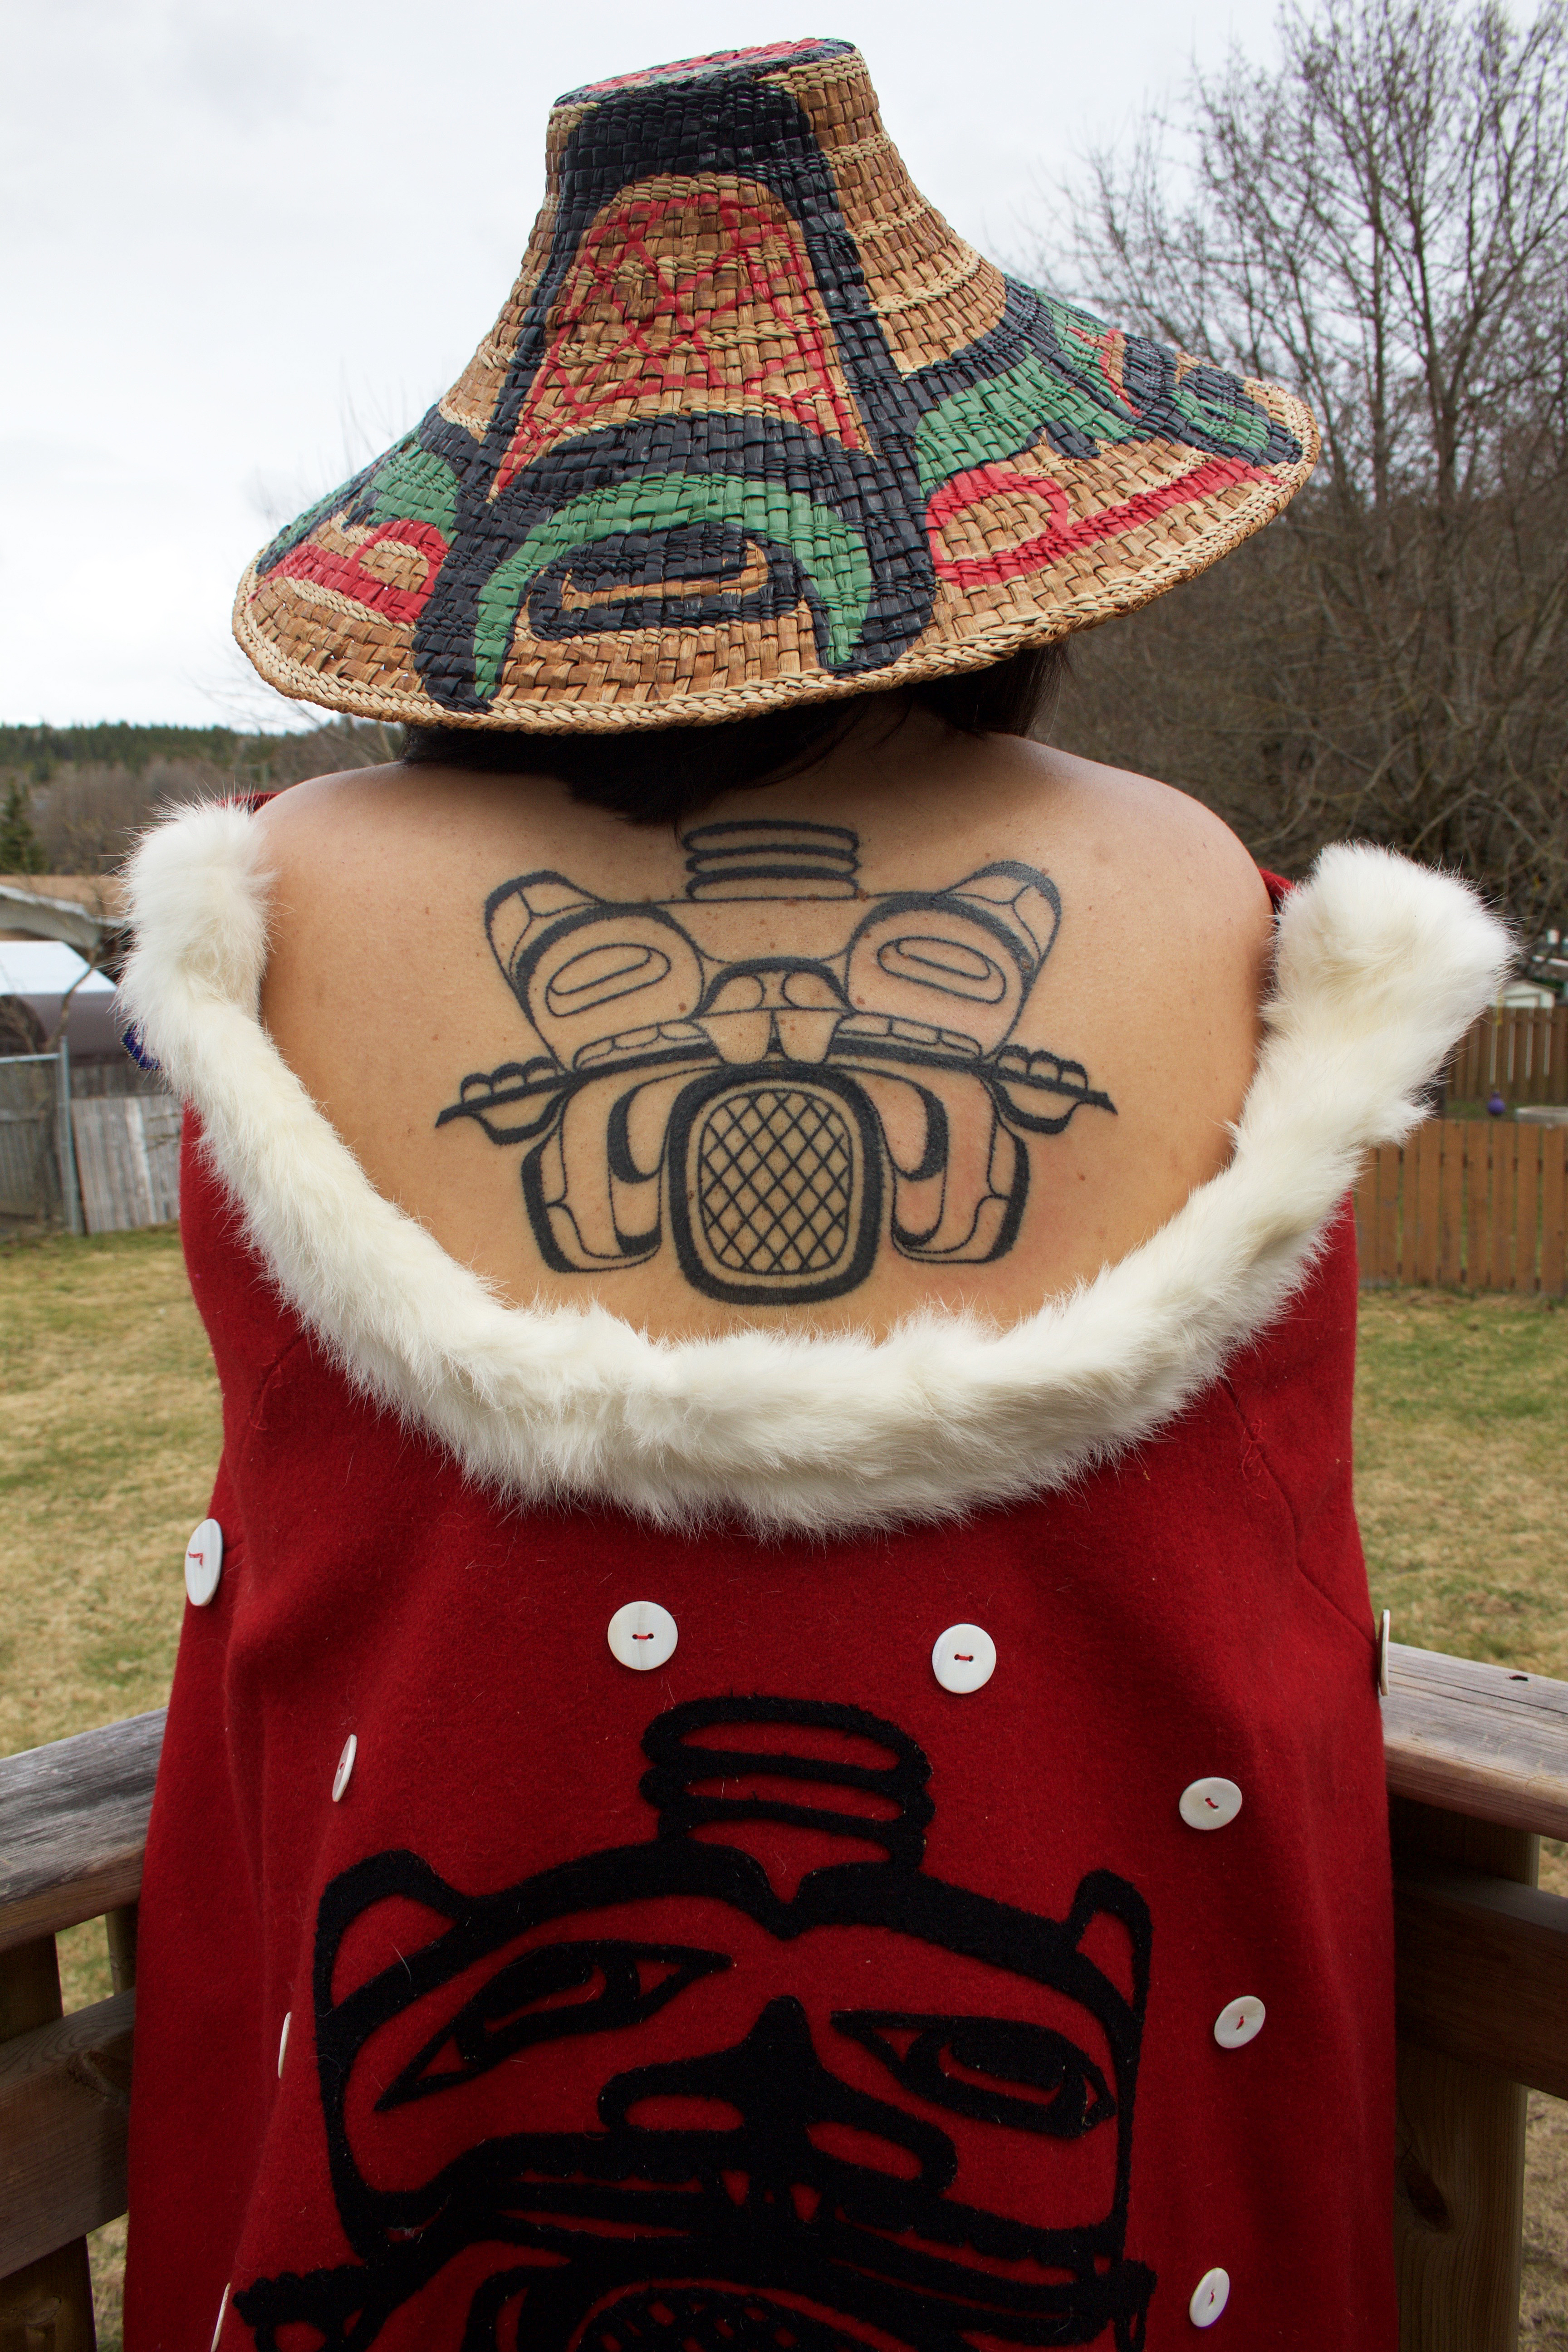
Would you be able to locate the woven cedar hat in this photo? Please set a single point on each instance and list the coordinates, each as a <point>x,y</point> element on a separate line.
<point>756,427</point>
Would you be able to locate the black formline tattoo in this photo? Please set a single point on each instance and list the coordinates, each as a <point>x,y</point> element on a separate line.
<point>783,1115</point>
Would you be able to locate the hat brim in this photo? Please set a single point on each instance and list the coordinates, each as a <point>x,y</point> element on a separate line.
<point>317,644</point>
<point>756,427</point>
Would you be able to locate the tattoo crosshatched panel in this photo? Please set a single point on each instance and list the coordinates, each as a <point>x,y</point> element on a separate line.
<point>784,1119</point>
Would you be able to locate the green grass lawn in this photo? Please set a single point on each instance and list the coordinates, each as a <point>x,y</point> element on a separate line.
<point>110,1431</point>
<point>1462,1472</point>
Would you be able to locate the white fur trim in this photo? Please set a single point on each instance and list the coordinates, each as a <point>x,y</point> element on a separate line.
<point>1380,966</point>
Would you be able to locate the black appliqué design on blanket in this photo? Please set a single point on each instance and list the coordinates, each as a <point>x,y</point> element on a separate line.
<point>784,1116</point>
<point>645,2100</point>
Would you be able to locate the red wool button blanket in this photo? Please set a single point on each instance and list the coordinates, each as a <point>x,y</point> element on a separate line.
<point>777,1997</point>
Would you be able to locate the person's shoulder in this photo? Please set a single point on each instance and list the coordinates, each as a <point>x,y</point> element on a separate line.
<point>340,810</point>
<point>1145,826</point>
<point>1182,884</point>
<point>368,834</point>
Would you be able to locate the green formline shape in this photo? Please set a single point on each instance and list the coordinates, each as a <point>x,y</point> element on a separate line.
<point>415,486</point>
<point>828,548</point>
<point>1002,417</point>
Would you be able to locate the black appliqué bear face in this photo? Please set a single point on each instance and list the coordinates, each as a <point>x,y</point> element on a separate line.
<point>656,2097</point>
<point>786,1116</point>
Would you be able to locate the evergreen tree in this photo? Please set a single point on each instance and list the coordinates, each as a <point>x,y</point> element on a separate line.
<point>21,852</point>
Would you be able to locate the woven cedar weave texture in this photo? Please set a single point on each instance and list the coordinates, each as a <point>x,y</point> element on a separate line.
<point>755,425</point>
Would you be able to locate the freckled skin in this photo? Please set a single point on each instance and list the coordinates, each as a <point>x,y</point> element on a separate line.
<point>382,990</point>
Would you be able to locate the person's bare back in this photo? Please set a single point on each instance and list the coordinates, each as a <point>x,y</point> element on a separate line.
<point>939,1022</point>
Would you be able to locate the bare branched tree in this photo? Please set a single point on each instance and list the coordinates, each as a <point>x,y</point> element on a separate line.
<point>1381,221</point>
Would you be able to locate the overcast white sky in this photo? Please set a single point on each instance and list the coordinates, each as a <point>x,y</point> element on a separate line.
<point>243,247</point>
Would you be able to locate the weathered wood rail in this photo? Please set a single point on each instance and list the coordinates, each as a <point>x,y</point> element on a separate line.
<point>73,1823</point>
<point>1477,1772</point>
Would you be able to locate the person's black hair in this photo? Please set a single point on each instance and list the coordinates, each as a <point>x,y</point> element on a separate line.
<point>662,776</point>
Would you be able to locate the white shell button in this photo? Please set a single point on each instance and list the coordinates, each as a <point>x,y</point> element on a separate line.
<point>1210,1804</point>
<point>345,1767</point>
<point>1239,2021</point>
<point>642,1634</point>
<point>964,1658</point>
<point>203,1563</point>
<point>222,2313</point>
<point>1210,2296</point>
<point>283,2043</point>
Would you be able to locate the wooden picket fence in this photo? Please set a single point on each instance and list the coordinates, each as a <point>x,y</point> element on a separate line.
<point>1475,1204</point>
<point>1522,1055</point>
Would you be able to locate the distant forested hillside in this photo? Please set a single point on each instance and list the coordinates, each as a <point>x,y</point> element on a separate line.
<point>72,797</point>
<point>42,750</point>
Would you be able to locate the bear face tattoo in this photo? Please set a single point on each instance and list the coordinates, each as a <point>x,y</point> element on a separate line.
<point>784,1116</point>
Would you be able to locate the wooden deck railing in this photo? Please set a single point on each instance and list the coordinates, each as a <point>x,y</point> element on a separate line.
<point>1477,1771</point>
<point>73,1822</point>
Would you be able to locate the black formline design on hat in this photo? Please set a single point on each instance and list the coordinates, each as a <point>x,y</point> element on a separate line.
<point>722,510</point>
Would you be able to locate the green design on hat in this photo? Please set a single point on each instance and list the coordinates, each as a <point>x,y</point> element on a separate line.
<point>828,549</point>
<point>415,486</point>
<point>1004,415</point>
<point>409,484</point>
<point>1216,404</point>
<point>608,439</point>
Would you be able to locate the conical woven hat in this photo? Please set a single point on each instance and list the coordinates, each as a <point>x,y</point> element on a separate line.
<point>756,427</point>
